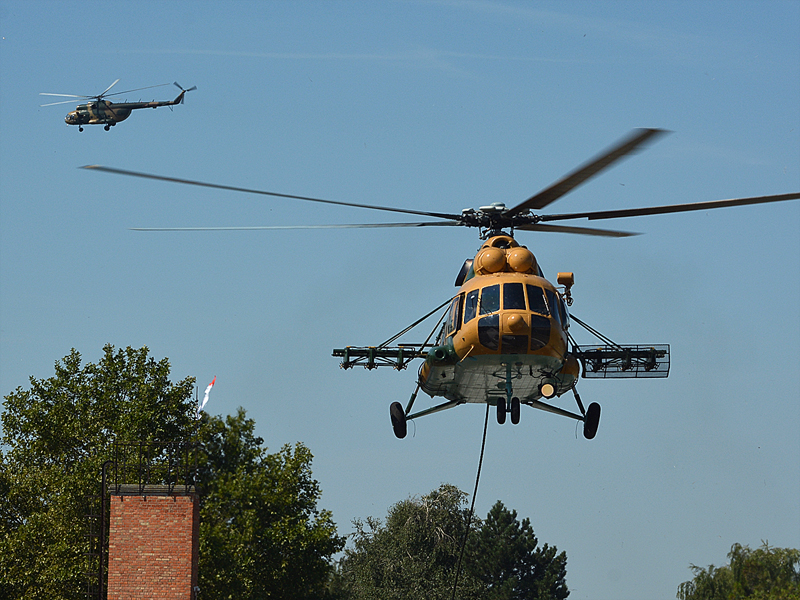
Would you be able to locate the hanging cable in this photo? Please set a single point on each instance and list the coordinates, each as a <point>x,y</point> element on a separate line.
<point>472,507</point>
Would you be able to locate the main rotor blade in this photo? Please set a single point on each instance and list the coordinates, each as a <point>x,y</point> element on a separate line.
<point>279,227</point>
<point>672,208</point>
<point>631,143</point>
<point>135,90</point>
<point>264,193</point>
<point>64,95</point>
<point>62,102</point>
<point>103,93</point>
<point>579,230</point>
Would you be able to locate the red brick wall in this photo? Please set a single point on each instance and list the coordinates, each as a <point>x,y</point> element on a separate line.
<point>153,547</point>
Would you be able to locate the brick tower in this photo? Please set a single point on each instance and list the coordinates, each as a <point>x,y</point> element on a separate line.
<point>153,538</point>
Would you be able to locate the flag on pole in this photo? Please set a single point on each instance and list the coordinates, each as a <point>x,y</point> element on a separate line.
<point>202,405</point>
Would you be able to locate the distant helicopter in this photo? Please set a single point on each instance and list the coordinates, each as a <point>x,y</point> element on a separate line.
<point>505,339</point>
<point>98,111</point>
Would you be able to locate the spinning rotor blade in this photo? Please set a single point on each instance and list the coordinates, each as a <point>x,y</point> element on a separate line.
<point>671,208</point>
<point>633,142</point>
<point>278,227</point>
<point>134,90</point>
<point>265,193</point>
<point>78,98</point>
<point>178,85</point>
<point>103,93</point>
<point>62,102</point>
<point>579,230</point>
<point>64,95</point>
<point>99,96</point>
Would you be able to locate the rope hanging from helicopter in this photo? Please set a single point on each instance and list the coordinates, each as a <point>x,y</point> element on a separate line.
<point>472,506</point>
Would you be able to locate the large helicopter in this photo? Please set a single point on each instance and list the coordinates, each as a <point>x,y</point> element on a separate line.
<point>99,111</point>
<point>505,337</point>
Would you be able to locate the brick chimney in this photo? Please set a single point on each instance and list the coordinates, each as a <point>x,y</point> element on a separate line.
<point>153,542</point>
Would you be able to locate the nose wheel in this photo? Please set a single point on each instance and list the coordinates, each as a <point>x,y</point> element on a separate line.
<point>504,408</point>
<point>515,407</point>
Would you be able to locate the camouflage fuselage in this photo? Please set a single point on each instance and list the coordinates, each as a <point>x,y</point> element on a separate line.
<point>103,112</point>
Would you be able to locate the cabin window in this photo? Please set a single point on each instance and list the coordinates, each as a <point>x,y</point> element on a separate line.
<point>536,301</point>
<point>513,296</point>
<point>453,316</point>
<point>540,332</point>
<point>471,306</point>
<point>490,299</point>
<point>489,331</point>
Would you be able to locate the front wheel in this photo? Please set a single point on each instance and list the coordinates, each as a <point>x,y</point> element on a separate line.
<point>501,410</point>
<point>515,410</point>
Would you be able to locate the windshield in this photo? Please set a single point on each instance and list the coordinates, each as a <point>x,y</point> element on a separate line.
<point>490,299</point>
<point>536,301</point>
<point>471,306</point>
<point>513,296</point>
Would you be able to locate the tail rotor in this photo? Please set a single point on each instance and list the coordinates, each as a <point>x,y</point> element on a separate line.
<point>178,85</point>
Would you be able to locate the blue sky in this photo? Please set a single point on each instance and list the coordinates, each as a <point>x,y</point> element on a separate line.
<point>432,106</point>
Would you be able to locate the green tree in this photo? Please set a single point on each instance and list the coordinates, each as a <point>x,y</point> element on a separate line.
<point>259,523</point>
<point>261,534</point>
<point>412,556</point>
<point>765,573</point>
<point>415,553</point>
<point>504,556</point>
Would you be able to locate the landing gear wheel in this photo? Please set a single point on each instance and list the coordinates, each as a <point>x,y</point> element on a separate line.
<point>399,423</point>
<point>107,127</point>
<point>80,128</point>
<point>591,420</point>
<point>515,410</point>
<point>501,411</point>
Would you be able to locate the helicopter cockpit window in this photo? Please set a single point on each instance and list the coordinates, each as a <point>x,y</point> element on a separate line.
<point>513,296</point>
<point>563,314</point>
<point>536,301</point>
<point>540,332</point>
<point>552,302</point>
<point>471,306</point>
<point>489,331</point>
<point>453,316</point>
<point>490,299</point>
